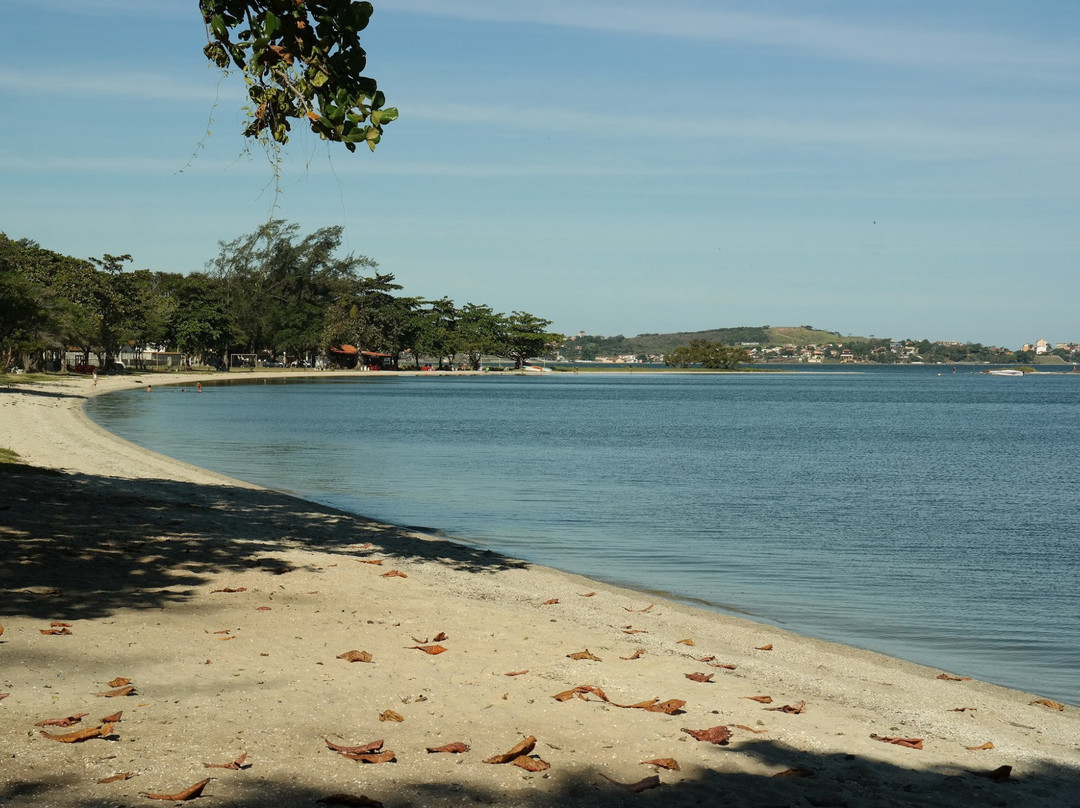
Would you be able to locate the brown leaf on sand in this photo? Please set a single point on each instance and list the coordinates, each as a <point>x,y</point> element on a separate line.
<point>550,602</point>
<point>719,735</point>
<point>584,655</point>
<point>671,764</point>
<point>531,764</point>
<point>116,778</point>
<point>70,721</point>
<point>349,800</point>
<point>721,665</point>
<point>750,729</point>
<point>707,658</point>
<point>794,709</point>
<point>235,765</point>
<point>686,641</point>
<point>987,745</point>
<point>4,696</point>
<point>639,611</point>
<point>428,649</point>
<point>641,785</point>
<point>394,574</point>
<point>390,715</point>
<point>580,692</point>
<point>798,771</point>
<point>669,707</point>
<point>629,630</point>
<point>760,699</point>
<point>60,624</point>
<point>455,748</point>
<point>373,757</point>
<point>636,655</point>
<point>127,690</point>
<point>1,631</point>
<point>1053,705</point>
<point>80,735</point>
<point>763,647</point>
<point>523,748</point>
<point>700,677</point>
<point>374,561</point>
<point>999,775</point>
<point>948,677</point>
<point>189,793</point>
<point>364,749</point>
<point>56,632</point>
<point>230,590</point>
<point>587,594</point>
<point>262,608</point>
<point>440,637</point>
<point>119,681</point>
<point>114,718</point>
<point>517,673</point>
<point>355,656</point>
<point>907,743</point>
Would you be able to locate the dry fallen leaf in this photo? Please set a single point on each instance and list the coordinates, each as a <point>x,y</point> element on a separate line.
<point>750,729</point>
<point>114,718</point>
<point>428,649</point>
<point>375,561</point>
<point>664,763</point>
<point>669,707</point>
<point>455,748</point>
<point>950,678</point>
<point>580,692</point>
<point>517,673</point>
<point>80,735</point>
<point>116,778</point>
<point>760,699</point>
<point>119,681</point>
<point>363,749</point>
<point>1053,705</point>
<point>394,574</point>
<point>128,690</point>
<point>373,757</point>
<point>686,641</point>
<point>59,624</point>
<point>360,801</point>
<point>530,764</point>
<point>56,632</point>
<point>522,748</point>
<point>763,647</point>
<point>355,656</point>
<point>640,611</point>
<point>440,637</point>
<point>189,793</point>
<point>794,709</point>
<point>629,630</point>
<point>707,658</point>
<point>636,655</point>
<point>550,602</point>
<point>907,743</point>
<point>71,720</point>
<point>721,665</point>
<point>390,715</point>
<point>796,772</point>
<point>231,590</point>
<point>587,594</point>
<point>700,677</point>
<point>998,775</point>
<point>719,735</point>
<point>987,745</point>
<point>639,786</point>
<point>235,765</point>
<point>584,655</point>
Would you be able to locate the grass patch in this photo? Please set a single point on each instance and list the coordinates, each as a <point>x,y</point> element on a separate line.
<point>9,456</point>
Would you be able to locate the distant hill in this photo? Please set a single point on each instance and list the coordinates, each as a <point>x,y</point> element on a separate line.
<point>591,346</point>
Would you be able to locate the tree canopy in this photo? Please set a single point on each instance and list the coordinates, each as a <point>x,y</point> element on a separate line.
<point>301,60</point>
<point>710,355</point>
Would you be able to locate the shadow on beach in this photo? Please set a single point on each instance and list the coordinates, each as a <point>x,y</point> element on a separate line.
<point>82,546</point>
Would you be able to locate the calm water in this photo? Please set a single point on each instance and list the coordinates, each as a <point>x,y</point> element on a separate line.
<point>929,516</point>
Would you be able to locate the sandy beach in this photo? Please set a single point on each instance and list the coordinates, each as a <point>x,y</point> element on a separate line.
<point>220,618</point>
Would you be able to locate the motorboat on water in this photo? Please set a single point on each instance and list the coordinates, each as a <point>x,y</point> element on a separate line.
<point>1006,372</point>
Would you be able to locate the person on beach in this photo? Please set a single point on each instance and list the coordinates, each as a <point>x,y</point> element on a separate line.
<point>95,380</point>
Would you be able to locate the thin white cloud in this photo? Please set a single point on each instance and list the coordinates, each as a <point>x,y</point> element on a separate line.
<point>103,82</point>
<point>881,44</point>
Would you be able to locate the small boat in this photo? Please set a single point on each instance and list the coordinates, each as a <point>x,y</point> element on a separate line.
<point>536,369</point>
<point>1006,372</point>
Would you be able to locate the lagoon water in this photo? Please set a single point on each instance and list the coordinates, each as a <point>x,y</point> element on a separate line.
<point>925,514</point>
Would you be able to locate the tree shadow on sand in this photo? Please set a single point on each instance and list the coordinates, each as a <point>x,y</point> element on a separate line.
<point>95,544</point>
<point>841,781</point>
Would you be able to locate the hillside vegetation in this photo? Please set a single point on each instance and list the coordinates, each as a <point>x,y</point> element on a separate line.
<point>590,346</point>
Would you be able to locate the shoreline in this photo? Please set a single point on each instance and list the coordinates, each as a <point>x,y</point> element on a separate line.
<point>129,547</point>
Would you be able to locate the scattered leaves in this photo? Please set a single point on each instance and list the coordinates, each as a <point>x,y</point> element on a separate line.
<point>455,748</point>
<point>719,734</point>
<point>531,764</point>
<point>687,641</point>
<point>390,715</point>
<point>394,574</point>
<point>636,655</point>
<point>262,608</point>
<point>669,707</point>
<point>999,775</point>
<point>794,709</point>
<point>760,699</point>
<point>948,677</point>
<point>119,681</point>
<point>721,665</point>
<point>587,594</point>
<point>189,793</point>
<point>428,649</point>
<point>640,611</point>
<point>231,590</point>
<point>907,743</point>
<point>235,765</point>
<point>116,778</point>
<point>550,602</point>
<point>127,690</point>
<point>767,647</point>
<point>700,677</point>
<point>355,656</point>
<point>374,561</point>
<point>374,757</point>
<point>80,735</point>
<point>671,764</point>
<point>112,719</point>
<point>629,630</point>
<point>56,631</point>
<point>584,655</point>
<point>440,637</point>
<point>524,747</point>
<point>1053,705</point>
<point>363,749</point>
<point>987,745</point>
<point>750,729</point>
<point>59,624</point>
<point>70,721</point>
<point>517,673</point>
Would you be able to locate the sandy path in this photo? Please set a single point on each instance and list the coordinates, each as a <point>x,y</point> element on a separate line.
<point>129,547</point>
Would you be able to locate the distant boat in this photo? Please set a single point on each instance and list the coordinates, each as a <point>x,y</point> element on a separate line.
<point>1006,372</point>
<point>536,369</point>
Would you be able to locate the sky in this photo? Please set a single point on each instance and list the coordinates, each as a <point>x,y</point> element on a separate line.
<point>903,170</point>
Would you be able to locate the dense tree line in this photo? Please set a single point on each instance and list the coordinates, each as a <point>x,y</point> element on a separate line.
<point>709,355</point>
<point>272,293</point>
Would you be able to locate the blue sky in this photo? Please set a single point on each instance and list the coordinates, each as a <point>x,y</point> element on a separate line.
<point>898,169</point>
